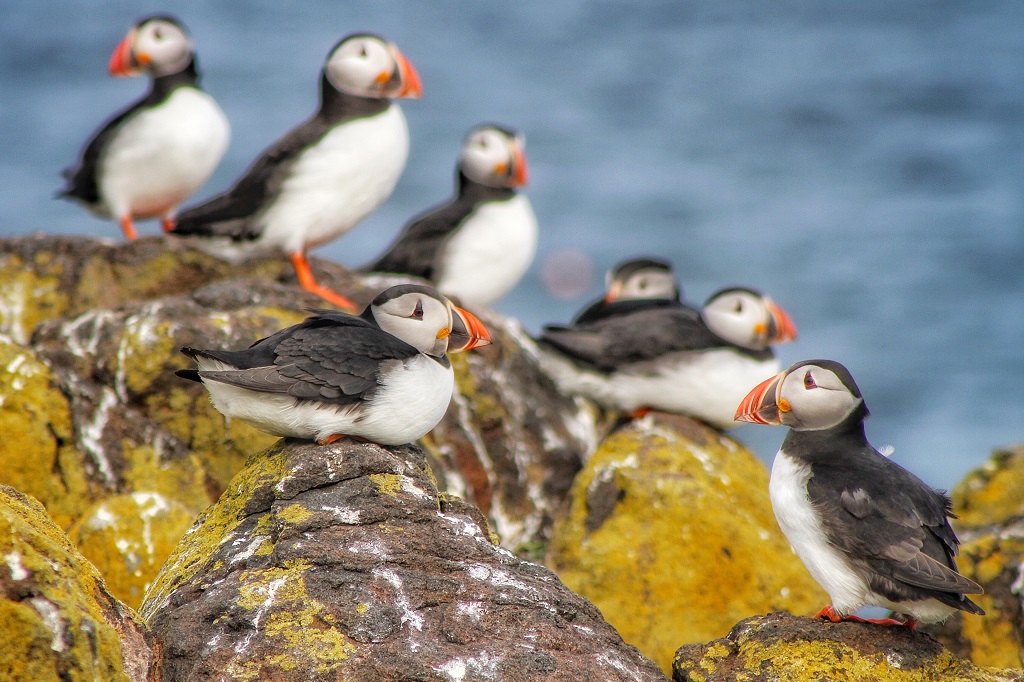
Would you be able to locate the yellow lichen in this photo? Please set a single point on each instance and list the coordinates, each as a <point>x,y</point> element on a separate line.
<point>387,484</point>
<point>38,633</point>
<point>294,513</point>
<point>992,637</point>
<point>27,297</point>
<point>992,493</point>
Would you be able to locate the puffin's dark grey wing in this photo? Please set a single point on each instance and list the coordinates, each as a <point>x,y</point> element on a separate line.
<point>332,357</point>
<point>232,214</point>
<point>608,343</point>
<point>601,309</point>
<point>82,182</point>
<point>904,539</point>
<point>415,250</point>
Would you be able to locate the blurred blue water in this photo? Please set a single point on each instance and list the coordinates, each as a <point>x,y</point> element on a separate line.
<point>861,162</point>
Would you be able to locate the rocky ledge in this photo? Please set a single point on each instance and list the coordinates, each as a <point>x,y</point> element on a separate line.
<point>344,562</point>
<point>780,646</point>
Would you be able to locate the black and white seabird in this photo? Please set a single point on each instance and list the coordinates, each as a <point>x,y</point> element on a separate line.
<point>869,531</point>
<point>671,358</point>
<point>632,285</point>
<point>382,376</point>
<point>479,245</point>
<point>321,179</point>
<point>153,155</point>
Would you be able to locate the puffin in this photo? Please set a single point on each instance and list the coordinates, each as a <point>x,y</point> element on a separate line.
<point>150,157</point>
<point>671,358</point>
<point>644,282</point>
<point>477,246</point>
<point>382,376</point>
<point>323,177</point>
<point>870,532</point>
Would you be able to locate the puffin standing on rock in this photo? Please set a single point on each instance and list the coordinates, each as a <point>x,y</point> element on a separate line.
<point>479,245</point>
<point>321,179</point>
<point>671,357</point>
<point>152,156</point>
<point>869,531</point>
<point>382,376</point>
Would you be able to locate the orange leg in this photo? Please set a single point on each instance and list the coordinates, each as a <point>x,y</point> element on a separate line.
<point>168,223</point>
<point>830,613</point>
<point>129,228</point>
<point>335,437</point>
<point>308,282</point>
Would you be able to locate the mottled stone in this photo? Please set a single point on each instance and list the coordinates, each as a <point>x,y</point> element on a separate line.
<point>671,534</point>
<point>343,562</point>
<point>57,620</point>
<point>992,556</point>
<point>780,646</point>
<point>993,492</point>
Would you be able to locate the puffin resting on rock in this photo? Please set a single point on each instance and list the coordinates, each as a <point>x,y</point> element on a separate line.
<point>869,531</point>
<point>381,376</point>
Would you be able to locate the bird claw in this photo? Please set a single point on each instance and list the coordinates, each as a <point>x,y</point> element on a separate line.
<point>830,614</point>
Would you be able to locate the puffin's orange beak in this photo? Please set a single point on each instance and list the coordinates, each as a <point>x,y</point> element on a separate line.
<point>783,328</point>
<point>410,86</point>
<point>467,331</point>
<point>519,171</point>
<point>761,406</point>
<point>121,62</point>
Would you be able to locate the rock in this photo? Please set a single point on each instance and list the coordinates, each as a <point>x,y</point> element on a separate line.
<point>671,534</point>
<point>993,492</point>
<point>96,417</point>
<point>990,506</point>
<point>992,556</point>
<point>780,646</point>
<point>57,619</point>
<point>344,562</point>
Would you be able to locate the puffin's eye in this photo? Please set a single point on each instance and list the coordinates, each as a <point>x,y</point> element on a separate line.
<point>643,284</point>
<point>417,313</point>
<point>158,34</point>
<point>809,380</point>
<point>362,51</point>
<point>739,307</point>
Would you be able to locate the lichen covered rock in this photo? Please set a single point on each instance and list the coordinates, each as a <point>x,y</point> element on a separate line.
<point>671,534</point>
<point>57,620</point>
<point>993,557</point>
<point>993,492</point>
<point>780,646</point>
<point>343,562</point>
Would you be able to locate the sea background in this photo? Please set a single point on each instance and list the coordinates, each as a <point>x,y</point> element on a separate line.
<point>863,163</point>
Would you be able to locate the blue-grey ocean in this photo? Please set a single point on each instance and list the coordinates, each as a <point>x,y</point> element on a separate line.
<point>862,162</point>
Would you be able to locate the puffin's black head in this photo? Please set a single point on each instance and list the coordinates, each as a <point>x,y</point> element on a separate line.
<point>747,318</point>
<point>367,65</point>
<point>494,156</point>
<point>641,278</point>
<point>158,44</point>
<point>809,396</point>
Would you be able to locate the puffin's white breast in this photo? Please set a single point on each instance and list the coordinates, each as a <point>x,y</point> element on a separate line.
<point>708,385</point>
<point>490,252</point>
<point>161,155</point>
<point>337,182</point>
<point>802,526</point>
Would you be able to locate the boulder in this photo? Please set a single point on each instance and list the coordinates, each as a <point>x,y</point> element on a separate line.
<point>671,534</point>
<point>95,419</point>
<point>57,619</point>
<point>780,646</point>
<point>345,562</point>
<point>990,506</point>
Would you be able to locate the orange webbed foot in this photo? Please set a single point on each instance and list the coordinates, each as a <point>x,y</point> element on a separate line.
<point>308,282</point>
<point>128,227</point>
